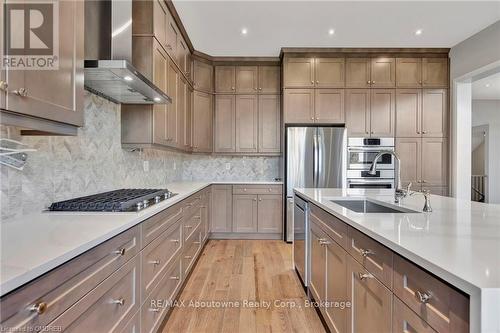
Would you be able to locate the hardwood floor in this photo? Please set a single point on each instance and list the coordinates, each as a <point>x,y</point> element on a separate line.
<point>244,270</point>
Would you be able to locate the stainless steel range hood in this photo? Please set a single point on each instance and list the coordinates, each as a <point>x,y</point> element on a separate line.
<point>108,55</point>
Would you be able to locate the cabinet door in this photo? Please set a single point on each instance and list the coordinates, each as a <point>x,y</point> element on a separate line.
<point>336,286</point>
<point>270,214</point>
<point>225,129</point>
<point>329,72</point>
<point>269,79</point>
<point>371,301</point>
<point>317,282</point>
<point>408,113</point>
<point>408,72</point>
<point>245,213</point>
<point>357,72</point>
<point>383,73</point>
<point>434,161</point>
<point>55,94</point>
<point>299,73</point>
<point>329,106</point>
<point>409,151</point>
<point>434,113</point>
<point>269,124</point>
<point>357,109</point>
<point>435,72</point>
<point>225,79</point>
<point>187,139</point>
<point>172,109</point>
<point>382,116</point>
<point>222,212</point>
<point>246,79</point>
<point>160,111</point>
<point>405,320</point>
<point>203,76</point>
<point>183,55</point>
<point>299,106</point>
<point>181,108</point>
<point>172,38</point>
<point>246,123</point>
<point>202,122</point>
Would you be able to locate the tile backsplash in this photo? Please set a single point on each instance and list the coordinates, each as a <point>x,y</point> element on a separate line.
<point>93,161</point>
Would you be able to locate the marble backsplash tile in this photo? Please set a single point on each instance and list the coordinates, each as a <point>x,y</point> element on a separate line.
<point>92,162</point>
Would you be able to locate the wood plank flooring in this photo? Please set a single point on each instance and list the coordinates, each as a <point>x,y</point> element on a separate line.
<point>244,270</point>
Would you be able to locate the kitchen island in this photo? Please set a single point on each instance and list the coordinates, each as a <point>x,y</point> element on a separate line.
<point>457,246</point>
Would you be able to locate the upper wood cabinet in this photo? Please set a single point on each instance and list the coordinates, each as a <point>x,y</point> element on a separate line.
<point>314,72</point>
<point>357,72</point>
<point>435,72</point>
<point>173,108</point>
<point>246,79</point>
<point>173,36</point>
<point>203,76</point>
<point>314,106</point>
<point>187,140</point>
<point>269,79</point>
<point>151,18</point>
<point>410,154</point>
<point>184,57</point>
<point>202,118</point>
<point>422,72</point>
<point>358,112</point>
<point>408,112</point>
<point>434,113</point>
<point>225,124</point>
<point>225,79</point>
<point>299,106</point>
<point>54,95</point>
<point>269,124</point>
<point>246,123</point>
<point>329,106</point>
<point>409,72</point>
<point>383,73</point>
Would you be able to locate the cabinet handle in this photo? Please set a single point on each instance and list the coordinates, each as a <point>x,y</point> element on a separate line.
<point>424,132</point>
<point>154,309</point>
<point>312,118</point>
<point>260,199</point>
<point>368,82</point>
<point>23,92</point>
<point>363,276</point>
<point>154,262</point>
<point>188,226</point>
<point>175,241</point>
<point>324,242</point>
<point>373,82</point>
<point>3,85</point>
<point>174,278</point>
<point>39,307</point>
<point>120,301</point>
<point>270,189</point>
<point>317,118</point>
<point>312,82</point>
<point>188,257</point>
<point>260,88</point>
<point>254,199</point>
<point>423,297</point>
<point>120,251</point>
<point>365,253</point>
<point>424,181</point>
<point>317,82</point>
<point>418,132</point>
<point>197,242</point>
<point>254,88</point>
<point>420,82</point>
<point>232,88</point>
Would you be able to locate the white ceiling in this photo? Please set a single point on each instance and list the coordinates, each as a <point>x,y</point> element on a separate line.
<point>214,27</point>
<point>487,88</point>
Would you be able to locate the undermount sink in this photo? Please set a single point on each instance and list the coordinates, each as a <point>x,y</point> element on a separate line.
<point>367,206</point>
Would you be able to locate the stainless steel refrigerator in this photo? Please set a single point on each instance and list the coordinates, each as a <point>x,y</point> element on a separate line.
<point>315,157</point>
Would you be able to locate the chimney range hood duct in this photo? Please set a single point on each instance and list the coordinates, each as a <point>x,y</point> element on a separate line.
<point>108,55</point>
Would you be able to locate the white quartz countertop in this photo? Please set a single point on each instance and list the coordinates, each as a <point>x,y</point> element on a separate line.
<point>34,244</point>
<point>459,241</point>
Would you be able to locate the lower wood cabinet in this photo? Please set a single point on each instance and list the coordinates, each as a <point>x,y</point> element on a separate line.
<point>270,213</point>
<point>405,320</point>
<point>257,213</point>
<point>222,208</point>
<point>245,213</point>
<point>336,286</point>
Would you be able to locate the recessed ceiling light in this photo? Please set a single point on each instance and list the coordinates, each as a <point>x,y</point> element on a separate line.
<point>157,99</point>
<point>418,32</point>
<point>127,78</point>
<point>487,85</point>
<point>331,32</point>
<point>244,31</point>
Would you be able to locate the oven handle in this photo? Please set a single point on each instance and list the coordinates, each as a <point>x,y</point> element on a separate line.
<point>372,181</point>
<point>364,150</point>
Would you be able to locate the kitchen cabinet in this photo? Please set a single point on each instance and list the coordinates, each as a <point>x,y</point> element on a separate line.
<point>173,35</point>
<point>246,79</point>
<point>304,106</point>
<point>314,72</point>
<point>408,113</point>
<point>434,113</point>
<point>318,263</point>
<point>182,95</point>
<point>422,72</point>
<point>370,112</point>
<point>336,286</point>
<point>203,76</point>
<point>269,213</point>
<point>410,153</point>
<point>173,108</point>
<point>222,214</point>
<point>50,101</point>
<point>329,106</point>
<point>269,79</point>
<point>245,213</point>
<point>405,320</point>
<point>409,72</point>
<point>298,73</point>
<point>435,72</point>
<point>298,106</point>
<point>151,18</point>
<point>269,124</point>
<point>225,124</point>
<point>246,131</point>
<point>357,73</point>
<point>187,122</point>
<point>434,161</point>
<point>184,57</point>
<point>225,79</point>
<point>383,72</point>
<point>202,118</point>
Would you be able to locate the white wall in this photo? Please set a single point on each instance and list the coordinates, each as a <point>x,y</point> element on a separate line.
<point>475,56</point>
<point>487,112</point>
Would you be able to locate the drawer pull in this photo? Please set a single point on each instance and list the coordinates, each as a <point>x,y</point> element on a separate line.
<point>176,241</point>
<point>324,242</point>
<point>365,253</point>
<point>188,257</point>
<point>120,301</point>
<point>154,262</point>
<point>154,309</point>
<point>39,308</point>
<point>197,217</point>
<point>188,226</point>
<point>120,251</point>
<point>363,276</point>
<point>197,242</point>
<point>23,92</point>
<point>423,297</point>
<point>174,278</point>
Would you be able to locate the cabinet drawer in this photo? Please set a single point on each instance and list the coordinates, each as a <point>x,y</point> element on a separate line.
<point>155,225</point>
<point>446,309</point>
<point>191,225</point>
<point>155,307</point>
<point>335,228</point>
<point>107,308</point>
<point>191,204</point>
<point>375,257</point>
<point>191,248</point>
<point>405,320</point>
<point>257,189</point>
<point>157,255</point>
<point>65,285</point>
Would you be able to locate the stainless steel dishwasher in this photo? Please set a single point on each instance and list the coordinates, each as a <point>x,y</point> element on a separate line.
<point>301,239</point>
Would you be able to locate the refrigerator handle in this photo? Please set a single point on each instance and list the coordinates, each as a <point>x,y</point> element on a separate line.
<point>315,160</point>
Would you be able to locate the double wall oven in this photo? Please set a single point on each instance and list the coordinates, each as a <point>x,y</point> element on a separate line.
<point>360,154</point>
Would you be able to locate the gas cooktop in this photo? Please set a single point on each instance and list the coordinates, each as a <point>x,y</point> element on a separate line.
<point>124,200</point>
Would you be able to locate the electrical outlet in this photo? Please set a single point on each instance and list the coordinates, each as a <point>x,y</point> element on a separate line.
<point>145,166</point>
<point>175,166</point>
<point>228,166</point>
